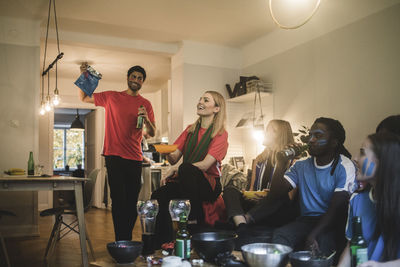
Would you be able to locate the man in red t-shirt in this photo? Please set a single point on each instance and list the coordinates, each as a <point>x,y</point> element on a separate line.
<point>122,146</point>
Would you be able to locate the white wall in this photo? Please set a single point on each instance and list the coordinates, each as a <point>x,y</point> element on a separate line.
<point>176,98</point>
<point>199,67</point>
<point>351,74</point>
<point>200,78</point>
<point>156,102</point>
<point>19,101</point>
<point>19,92</point>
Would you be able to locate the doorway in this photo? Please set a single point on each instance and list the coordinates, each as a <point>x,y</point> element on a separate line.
<point>69,146</point>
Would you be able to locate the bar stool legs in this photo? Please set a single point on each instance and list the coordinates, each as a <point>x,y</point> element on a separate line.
<point>55,233</point>
<point>4,249</point>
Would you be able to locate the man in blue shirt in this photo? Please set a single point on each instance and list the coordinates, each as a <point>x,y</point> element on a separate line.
<point>325,181</point>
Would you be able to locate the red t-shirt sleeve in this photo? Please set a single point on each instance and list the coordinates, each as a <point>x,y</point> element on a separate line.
<point>219,146</point>
<point>100,99</point>
<point>180,141</point>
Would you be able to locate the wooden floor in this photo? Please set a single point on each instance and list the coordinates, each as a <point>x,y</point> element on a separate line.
<point>25,252</point>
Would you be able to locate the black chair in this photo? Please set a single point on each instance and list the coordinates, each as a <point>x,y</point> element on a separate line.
<point>3,244</point>
<point>62,228</point>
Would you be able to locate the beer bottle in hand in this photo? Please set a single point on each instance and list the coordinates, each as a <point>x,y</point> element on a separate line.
<point>358,245</point>
<point>292,152</point>
<point>139,123</point>
<point>182,242</point>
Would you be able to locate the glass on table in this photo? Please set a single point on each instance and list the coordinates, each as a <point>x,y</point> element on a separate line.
<point>176,208</point>
<point>38,170</point>
<point>147,211</point>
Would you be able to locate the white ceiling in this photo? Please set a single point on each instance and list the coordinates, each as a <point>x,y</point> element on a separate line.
<point>232,23</point>
<point>225,22</point>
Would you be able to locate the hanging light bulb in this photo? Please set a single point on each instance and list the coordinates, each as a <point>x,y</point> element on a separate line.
<point>42,110</point>
<point>47,106</point>
<point>56,97</point>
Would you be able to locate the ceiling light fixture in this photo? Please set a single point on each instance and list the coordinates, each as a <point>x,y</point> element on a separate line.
<point>291,8</point>
<point>77,125</point>
<point>47,103</point>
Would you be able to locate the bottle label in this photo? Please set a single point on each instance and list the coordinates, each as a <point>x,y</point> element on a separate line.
<point>361,255</point>
<point>139,124</point>
<point>182,248</point>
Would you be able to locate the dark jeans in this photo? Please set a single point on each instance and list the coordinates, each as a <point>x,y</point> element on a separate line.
<point>274,212</point>
<point>191,184</point>
<point>294,235</point>
<point>235,203</point>
<point>124,178</point>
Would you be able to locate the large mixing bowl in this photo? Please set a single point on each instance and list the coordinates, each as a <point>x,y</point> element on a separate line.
<point>265,254</point>
<point>209,245</point>
<point>125,251</point>
<point>305,259</point>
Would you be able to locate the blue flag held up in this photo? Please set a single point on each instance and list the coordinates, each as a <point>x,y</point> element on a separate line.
<point>88,81</point>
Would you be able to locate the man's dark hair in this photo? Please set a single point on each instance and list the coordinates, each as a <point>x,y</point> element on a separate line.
<point>390,124</point>
<point>337,132</point>
<point>386,147</point>
<point>138,69</point>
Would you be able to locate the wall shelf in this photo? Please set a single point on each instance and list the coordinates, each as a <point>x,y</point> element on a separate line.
<point>247,97</point>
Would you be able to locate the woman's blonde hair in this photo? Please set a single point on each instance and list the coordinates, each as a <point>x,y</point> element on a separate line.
<point>219,118</point>
<point>284,137</point>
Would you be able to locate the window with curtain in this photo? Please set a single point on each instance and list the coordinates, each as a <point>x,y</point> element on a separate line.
<point>68,148</point>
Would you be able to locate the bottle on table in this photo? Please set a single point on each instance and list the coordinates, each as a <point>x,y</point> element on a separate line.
<point>182,242</point>
<point>31,164</point>
<point>358,245</point>
<point>292,152</point>
<point>139,123</point>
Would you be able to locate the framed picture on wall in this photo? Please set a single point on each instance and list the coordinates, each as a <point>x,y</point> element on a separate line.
<point>238,162</point>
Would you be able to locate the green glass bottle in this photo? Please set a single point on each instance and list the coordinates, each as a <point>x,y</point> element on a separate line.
<point>31,164</point>
<point>182,242</point>
<point>139,123</point>
<point>292,152</point>
<point>358,245</point>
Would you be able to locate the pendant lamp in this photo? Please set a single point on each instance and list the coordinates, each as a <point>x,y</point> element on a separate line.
<point>77,125</point>
<point>298,11</point>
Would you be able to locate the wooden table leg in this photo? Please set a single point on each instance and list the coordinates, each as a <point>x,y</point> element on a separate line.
<point>81,222</point>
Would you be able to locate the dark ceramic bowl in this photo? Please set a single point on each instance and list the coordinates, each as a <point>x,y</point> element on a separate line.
<point>125,251</point>
<point>209,245</point>
<point>305,259</point>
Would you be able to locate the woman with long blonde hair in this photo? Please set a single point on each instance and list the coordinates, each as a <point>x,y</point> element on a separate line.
<point>202,145</point>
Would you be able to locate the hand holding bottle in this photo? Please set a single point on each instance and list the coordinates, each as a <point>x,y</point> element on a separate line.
<point>294,150</point>
<point>142,117</point>
<point>290,152</point>
<point>142,113</point>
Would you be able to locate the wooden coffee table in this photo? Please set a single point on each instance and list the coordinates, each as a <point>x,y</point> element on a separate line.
<point>140,261</point>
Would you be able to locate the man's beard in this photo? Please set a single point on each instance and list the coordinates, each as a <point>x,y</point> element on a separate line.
<point>134,86</point>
